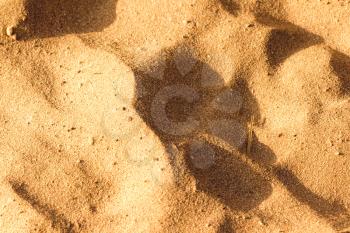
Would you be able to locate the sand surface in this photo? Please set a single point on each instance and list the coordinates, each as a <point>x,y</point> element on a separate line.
<point>208,116</point>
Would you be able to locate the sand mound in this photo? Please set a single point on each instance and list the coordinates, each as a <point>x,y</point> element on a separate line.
<point>174,116</point>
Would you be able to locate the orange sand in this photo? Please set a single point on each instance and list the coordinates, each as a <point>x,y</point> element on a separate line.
<point>212,116</point>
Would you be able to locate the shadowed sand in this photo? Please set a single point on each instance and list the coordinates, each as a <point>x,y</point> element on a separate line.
<point>174,116</point>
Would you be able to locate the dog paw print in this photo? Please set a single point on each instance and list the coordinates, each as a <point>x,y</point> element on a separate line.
<point>189,99</point>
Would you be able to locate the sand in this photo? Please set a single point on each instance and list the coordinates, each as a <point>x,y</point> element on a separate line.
<point>213,116</point>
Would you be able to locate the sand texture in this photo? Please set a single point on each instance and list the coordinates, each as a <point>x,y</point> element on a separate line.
<point>186,116</point>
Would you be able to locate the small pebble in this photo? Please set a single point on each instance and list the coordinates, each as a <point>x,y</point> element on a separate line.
<point>10,31</point>
<point>209,224</point>
<point>262,223</point>
<point>91,141</point>
<point>339,153</point>
<point>93,209</point>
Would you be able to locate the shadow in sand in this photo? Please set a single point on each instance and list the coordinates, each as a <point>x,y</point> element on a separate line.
<point>341,66</point>
<point>233,182</point>
<point>265,16</point>
<point>230,6</point>
<point>59,221</point>
<point>50,18</point>
<point>226,227</point>
<point>185,92</point>
<point>335,213</point>
<point>177,94</point>
<point>285,38</point>
<point>283,43</point>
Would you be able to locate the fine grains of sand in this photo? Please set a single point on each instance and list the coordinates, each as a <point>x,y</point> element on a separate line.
<point>213,116</point>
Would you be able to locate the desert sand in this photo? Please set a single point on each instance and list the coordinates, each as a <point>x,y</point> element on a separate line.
<point>213,116</point>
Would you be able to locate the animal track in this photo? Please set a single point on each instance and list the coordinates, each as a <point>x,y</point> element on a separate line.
<point>186,103</point>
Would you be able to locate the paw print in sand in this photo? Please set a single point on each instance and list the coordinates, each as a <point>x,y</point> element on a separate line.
<point>190,99</point>
<point>195,108</point>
